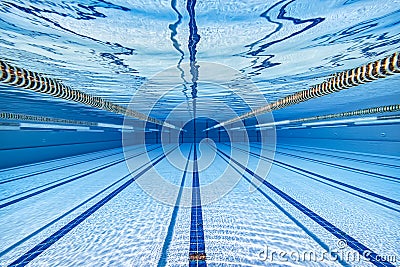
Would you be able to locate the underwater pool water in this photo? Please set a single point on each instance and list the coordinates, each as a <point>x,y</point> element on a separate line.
<point>199,133</point>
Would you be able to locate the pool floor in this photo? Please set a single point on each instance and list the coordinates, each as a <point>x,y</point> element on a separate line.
<point>90,209</point>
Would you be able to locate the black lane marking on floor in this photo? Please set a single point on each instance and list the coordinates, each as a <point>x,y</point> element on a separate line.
<point>15,178</point>
<point>45,244</point>
<point>326,183</point>
<point>85,173</point>
<point>350,139</point>
<point>61,159</point>
<point>351,242</point>
<point>325,178</point>
<point>345,152</point>
<point>386,165</point>
<point>298,223</point>
<point>81,174</point>
<point>23,240</point>
<point>67,144</point>
<point>163,259</point>
<point>343,167</point>
<point>197,248</point>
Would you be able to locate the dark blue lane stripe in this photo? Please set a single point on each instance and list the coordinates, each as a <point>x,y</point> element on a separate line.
<point>344,152</point>
<point>197,248</point>
<point>369,173</point>
<point>173,28</point>
<point>328,139</point>
<point>298,223</point>
<point>352,169</point>
<point>170,231</point>
<point>330,185</point>
<point>85,173</point>
<point>56,160</point>
<point>45,244</point>
<point>67,144</point>
<point>81,174</point>
<point>15,178</point>
<point>23,240</point>
<point>194,38</point>
<point>387,165</point>
<point>325,178</point>
<point>351,242</point>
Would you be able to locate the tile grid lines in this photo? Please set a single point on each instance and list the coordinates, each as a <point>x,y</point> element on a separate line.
<point>11,179</point>
<point>351,242</point>
<point>84,174</point>
<point>163,259</point>
<point>42,246</point>
<point>326,178</point>
<point>197,250</point>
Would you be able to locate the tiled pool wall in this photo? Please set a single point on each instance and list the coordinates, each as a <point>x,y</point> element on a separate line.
<point>29,146</point>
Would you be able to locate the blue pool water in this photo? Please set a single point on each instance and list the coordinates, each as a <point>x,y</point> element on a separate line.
<point>200,133</point>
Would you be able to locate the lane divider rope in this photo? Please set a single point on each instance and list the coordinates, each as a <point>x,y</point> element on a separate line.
<point>372,71</point>
<point>365,111</point>
<point>374,110</point>
<point>26,79</point>
<point>25,117</point>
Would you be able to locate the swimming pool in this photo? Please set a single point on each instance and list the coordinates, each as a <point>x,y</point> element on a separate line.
<point>219,133</point>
